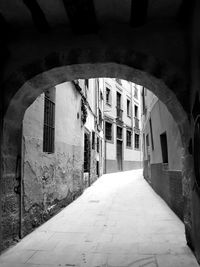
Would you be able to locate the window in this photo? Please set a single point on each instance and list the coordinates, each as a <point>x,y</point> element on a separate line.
<point>147,140</point>
<point>98,144</point>
<point>144,108</point>
<point>49,121</point>
<point>108,130</point>
<point>128,108</point>
<point>163,141</point>
<point>118,100</point>
<point>128,138</point>
<point>118,107</point>
<point>97,168</point>
<point>87,83</point>
<point>93,140</point>
<point>135,92</point>
<point>137,141</point>
<point>136,111</point>
<point>86,152</point>
<point>152,143</point>
<point>119,132</point>
<point>108,96</point>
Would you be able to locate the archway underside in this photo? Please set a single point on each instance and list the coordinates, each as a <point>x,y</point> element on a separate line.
<point>28,83</point>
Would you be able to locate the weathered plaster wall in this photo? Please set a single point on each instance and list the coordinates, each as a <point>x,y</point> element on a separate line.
<point>52,180</point>
<point>129,154</point>
<point>166,180</point>
<point>162,121</point>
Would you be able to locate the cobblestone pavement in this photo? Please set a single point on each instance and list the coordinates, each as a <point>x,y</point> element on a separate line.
<point>118,222</point>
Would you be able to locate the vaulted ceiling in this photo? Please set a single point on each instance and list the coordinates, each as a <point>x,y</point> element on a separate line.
<point>84,16</point>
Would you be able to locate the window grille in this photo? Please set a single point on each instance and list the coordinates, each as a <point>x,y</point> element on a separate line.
<point>49,124</point>
<point>128,138</point>
<point>137,141</point>
<point>108,131</point>
<point>86,152</point>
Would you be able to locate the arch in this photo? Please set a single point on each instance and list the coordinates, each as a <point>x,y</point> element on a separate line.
<point>30,81</point>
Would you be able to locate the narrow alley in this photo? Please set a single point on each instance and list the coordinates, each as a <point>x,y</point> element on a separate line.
<point>118,221</point>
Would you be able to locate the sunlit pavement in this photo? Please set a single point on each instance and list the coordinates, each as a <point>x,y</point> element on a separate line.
<point>118,221</point>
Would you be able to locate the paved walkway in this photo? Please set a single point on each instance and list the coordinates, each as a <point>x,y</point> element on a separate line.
<point>118,221</point>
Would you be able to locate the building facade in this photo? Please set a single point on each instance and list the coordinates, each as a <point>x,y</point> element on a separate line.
<point>122,124</point>
<point>162,151</point>
<point>61,149</point>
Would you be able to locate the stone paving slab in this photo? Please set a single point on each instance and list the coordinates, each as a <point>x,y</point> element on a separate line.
<point>118,222</point>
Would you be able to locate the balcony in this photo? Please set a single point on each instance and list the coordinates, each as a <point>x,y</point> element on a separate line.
<point>118,81</point>
<point>136,123</point>
<point>100,121</point>
<point>119,113</point>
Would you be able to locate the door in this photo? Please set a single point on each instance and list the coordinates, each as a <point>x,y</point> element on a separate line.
<point>119,155</point>
<point>86,159</point>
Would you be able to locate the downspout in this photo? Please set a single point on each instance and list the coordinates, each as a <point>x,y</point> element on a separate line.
<point>132,106</point>
<point>105,147</point>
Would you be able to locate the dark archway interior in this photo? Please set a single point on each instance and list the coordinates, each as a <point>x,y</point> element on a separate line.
<point>34,87</point>
<point>149,43</point>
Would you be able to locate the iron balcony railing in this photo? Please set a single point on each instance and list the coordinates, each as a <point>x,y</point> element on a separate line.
<point>119,113</point>
<point>136,123</point>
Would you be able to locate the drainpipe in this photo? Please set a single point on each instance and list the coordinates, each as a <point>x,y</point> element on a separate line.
<point>105,167</point>
<point>131,105</point>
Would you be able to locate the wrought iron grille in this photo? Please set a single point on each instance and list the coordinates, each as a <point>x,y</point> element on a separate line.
<point>49,125</point>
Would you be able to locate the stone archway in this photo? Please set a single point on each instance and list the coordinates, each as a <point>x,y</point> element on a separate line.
<point>25,85</point>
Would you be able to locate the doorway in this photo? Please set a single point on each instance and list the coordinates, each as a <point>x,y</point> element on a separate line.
<point>119,155</point>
